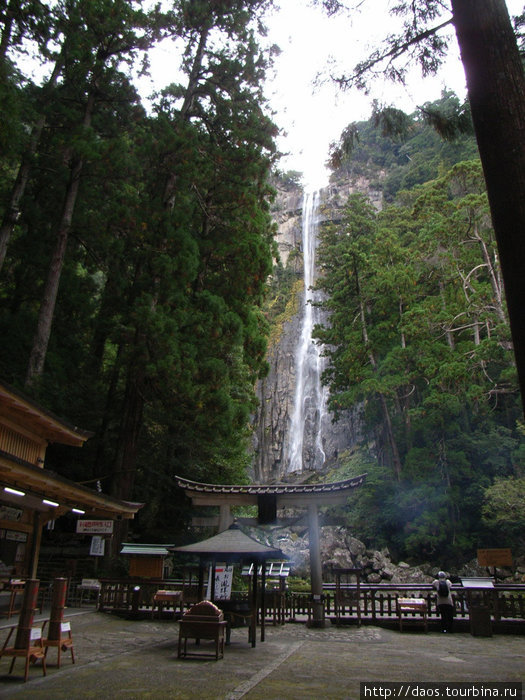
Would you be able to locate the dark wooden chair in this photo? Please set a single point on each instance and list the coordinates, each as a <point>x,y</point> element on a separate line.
<point>16,588</point>
<point>202,621</point>
<point>27,646</point>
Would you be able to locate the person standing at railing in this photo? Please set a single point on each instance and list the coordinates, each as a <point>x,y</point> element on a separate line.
<point>444,601</point>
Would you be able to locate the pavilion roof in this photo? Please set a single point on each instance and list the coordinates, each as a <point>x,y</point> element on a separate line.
<point>231,544</point>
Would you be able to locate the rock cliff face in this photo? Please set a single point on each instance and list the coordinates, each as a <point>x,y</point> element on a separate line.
<point>339,549</point>
<point>272,421</point>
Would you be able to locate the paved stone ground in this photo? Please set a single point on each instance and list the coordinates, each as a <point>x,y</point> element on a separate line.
<point>118,658</point>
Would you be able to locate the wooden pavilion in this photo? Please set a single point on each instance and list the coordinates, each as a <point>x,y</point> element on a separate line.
<point>269,498</point>
<point>30,495</point>
<point>234,546</point>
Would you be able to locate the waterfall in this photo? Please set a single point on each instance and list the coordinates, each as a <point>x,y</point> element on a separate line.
<point>309,413</point>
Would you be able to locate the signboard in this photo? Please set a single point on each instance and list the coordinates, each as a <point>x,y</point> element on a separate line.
<point>477,582</point>
<point>20,553</point>
<point>9,513</point>
<point>223,581</point>
<point>494,557</point>
<point>97,546</point>
<point>16,536</point>
<point>95,527</point>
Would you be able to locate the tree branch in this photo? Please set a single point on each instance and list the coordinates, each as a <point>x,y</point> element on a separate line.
<point>395,51</point>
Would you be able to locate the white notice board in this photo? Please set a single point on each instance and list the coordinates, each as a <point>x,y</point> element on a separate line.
<point>223,581</point>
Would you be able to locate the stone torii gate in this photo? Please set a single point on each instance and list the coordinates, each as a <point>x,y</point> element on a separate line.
<point>269,498</point>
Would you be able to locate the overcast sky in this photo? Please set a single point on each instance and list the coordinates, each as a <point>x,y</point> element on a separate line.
<point>312,118</point>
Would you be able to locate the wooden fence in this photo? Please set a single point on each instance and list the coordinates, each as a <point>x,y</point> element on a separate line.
<point>377,602</point>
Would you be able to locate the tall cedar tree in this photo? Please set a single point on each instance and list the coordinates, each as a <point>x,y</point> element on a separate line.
<point>157,337</point>
<point>496,93</point>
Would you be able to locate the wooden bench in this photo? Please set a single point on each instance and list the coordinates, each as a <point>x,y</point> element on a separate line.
<point>202,621</point>
<point>412,606</point>
<point>166,599</point>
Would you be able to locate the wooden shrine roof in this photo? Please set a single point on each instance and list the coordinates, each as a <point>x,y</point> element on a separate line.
<point>38,484</point>
<point>285,494</point>
<point>24,411</point>
<point>231,545</point>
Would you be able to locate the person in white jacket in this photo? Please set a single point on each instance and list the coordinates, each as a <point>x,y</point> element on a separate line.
<point>444,601</point>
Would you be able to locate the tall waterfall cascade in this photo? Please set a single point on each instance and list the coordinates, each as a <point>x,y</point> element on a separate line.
<point>293,432</point>
<point>309,416</point>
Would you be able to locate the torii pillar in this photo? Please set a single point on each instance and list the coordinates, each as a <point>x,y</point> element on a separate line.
<point>269,498</point>
<point>316,570</point>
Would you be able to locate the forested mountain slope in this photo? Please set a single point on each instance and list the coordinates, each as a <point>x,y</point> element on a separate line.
<point>419,336</point>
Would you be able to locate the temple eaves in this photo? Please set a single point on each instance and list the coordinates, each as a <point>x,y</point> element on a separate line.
<point>285,495</point>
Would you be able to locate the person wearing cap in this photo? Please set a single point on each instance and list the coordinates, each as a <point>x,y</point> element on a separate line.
<point>444,603</point>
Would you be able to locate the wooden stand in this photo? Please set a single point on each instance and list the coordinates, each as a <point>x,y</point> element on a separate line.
<point>347,593</point>
<point>166,599</point>
<point>59,635</point>
<point>406,606</point>
<point>16,588</point>
<point>202,621</point>
<point>28,641</point>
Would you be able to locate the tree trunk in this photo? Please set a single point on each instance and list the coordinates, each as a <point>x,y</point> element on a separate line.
<point>496,91</point>
<point>123,476</point>
<point>5,40</point>
<point>12,208</point>
<point>387,421</point>
<point>47,307</point>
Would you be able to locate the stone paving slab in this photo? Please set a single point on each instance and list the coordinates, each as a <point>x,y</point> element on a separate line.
<point>138,659</point>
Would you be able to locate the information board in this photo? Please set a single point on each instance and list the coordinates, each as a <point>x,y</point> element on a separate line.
<point>494,557</point>
<point>95,527</point>
<point>223,581</point>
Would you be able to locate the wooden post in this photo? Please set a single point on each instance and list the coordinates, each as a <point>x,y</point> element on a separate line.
<point>58,603</point>
<point>200,586</point>
<point>316,572</point>
<point>136,599</point>
<point>25,621</point>
<point>253,635</point>
<point>35,544</point>
<point>212,573</point>
<point>263,598</point>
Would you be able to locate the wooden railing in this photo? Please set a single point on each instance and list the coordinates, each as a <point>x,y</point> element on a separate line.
<point>377,601</point>
<point>132,595</point>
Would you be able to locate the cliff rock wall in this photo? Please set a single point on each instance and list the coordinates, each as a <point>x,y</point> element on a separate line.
<point>276,392</point>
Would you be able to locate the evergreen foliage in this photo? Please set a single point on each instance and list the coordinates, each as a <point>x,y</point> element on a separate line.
<point>156,337</point>
<point>418,334</point>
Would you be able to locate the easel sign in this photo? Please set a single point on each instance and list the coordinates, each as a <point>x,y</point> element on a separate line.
<point>494,557</point>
